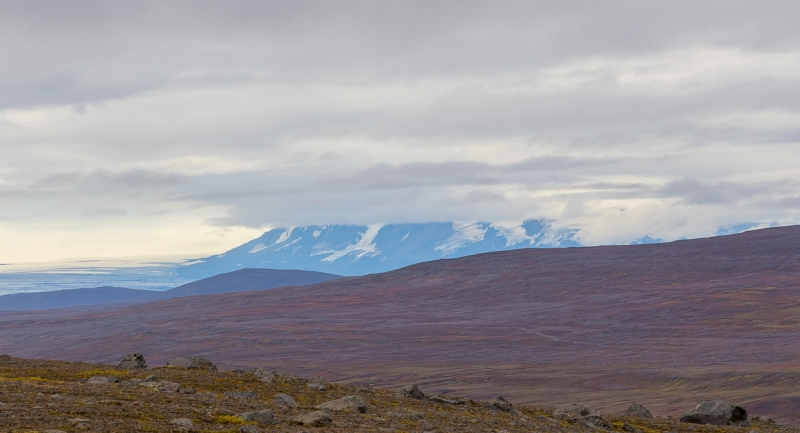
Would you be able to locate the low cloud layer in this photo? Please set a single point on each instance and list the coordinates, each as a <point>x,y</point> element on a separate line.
<point>141,128</point>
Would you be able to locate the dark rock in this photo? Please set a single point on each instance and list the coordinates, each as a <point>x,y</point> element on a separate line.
<point>261,416</point>
<point>346,403</point>
<point>192,362</point>
<point>315,419</point>
<point>638,411</point>
<point>285,399</point>
<point>501,404</point>
<point>132,361</point>
<point>94,380</point>
<point>248,429</point>
<point>245,394</point>
<point>715,412</point>
<point>411,391</point>
<point>630,429</point>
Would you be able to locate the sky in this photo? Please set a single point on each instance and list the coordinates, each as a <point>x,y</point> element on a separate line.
<point>185,128</point>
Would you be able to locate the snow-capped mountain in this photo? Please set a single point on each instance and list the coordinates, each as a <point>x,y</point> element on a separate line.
<point>360,250</point>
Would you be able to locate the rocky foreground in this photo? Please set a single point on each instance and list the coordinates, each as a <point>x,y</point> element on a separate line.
<point>190,395</point>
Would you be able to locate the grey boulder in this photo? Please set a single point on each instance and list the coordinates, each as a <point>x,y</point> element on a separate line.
<point>501,404</point>
<point>261,416</point>
<point>346,403</point>
<point>638,411</point>
<point>315,419</point>
<point>132,361</point>
<point>411,391</point>
<point>94,380</point>
<point>715,412</point>
<point>317,383</point>
<point>192,362</point>
<point>285,399</point>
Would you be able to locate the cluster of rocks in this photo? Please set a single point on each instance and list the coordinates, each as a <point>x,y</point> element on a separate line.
<point>710,412</point>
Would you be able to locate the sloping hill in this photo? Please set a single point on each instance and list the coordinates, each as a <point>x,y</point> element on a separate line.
<point>74,298</point>
<point>241,280</point>
<point>664,325</point>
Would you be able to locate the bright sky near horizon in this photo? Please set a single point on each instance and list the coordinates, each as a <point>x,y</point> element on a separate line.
<point>137,128</point>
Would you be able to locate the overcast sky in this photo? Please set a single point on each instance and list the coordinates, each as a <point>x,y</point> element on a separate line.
<point>167,127</point>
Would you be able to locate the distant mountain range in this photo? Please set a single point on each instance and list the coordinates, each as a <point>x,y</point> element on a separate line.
<point>238,281</point>
<point>360,250</point>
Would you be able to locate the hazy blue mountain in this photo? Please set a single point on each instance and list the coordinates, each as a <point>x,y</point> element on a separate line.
<point>360,250</point>
<point>238,281</point>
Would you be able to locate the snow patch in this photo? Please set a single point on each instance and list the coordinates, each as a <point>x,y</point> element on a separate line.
<point>289,244</point>
<point>193,262</point>
<point>257,247</point>
<point>405,237</point>
<point>284,236</point>
<point>362,248</point>
<point>316,233</point>
<point>465,233</point>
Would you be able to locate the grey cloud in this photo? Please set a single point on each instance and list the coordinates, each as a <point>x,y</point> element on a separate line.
<point>387,176</point>
<point>694,191</point>
<point>130,180</point>
<point>88,51</point>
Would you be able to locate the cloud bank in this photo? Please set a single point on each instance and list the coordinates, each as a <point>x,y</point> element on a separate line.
<point>135,128</point>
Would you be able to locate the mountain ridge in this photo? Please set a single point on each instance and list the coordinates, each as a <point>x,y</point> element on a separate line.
<point>367,249</point>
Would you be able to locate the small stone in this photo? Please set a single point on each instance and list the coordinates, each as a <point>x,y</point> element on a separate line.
<point>77,420</point>
<point>262,416</point>
<point>501,404</point>
<point>133,361</point>
<point>763,418</point>
<point>577,412</point>
<point>315,419</point>
<point>95,380</point>
<point>346,403</point>
<point>285,399</point>
<point>243,395</point>
<point>192,362</point>
<point>264,375</point>
<point>166,386</point>
<point>638,411</point>
<point>151,378</point>
<point>53,431</point>
<point>181,422</point>
<point>411,391</point>
<point>317,383</point>
<point>446,400</point>
<point>629,428</point>
<point>248,429</point>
